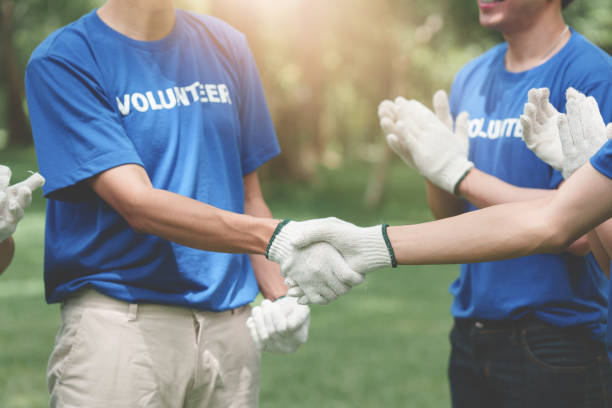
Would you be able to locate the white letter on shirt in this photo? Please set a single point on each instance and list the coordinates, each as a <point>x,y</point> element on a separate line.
<point>224,94</point>
<point>171,98</point>
<point>211,91</point>
<point>124,107</point>
<point>181,96</point>
<point>193,90</point>
<point>152,101</point>
<point>140,102</point>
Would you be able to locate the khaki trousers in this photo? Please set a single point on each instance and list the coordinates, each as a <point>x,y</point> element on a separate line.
<point>112,354</point>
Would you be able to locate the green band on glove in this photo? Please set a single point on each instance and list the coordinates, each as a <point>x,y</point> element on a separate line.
<point>277,230</point>
<point>389,247</point>
<point>456,188</point>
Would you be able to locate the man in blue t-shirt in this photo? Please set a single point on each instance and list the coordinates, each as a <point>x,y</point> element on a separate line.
<point>529,327</point>
<point>149,125</point>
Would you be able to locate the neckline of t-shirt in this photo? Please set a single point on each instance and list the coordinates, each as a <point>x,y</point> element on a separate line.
<point>535,70</point>
<point>157,45</point>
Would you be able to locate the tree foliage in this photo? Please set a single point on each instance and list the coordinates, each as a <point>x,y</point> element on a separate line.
<point>326,65</point>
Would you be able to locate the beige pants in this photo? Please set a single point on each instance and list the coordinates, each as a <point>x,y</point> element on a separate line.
<point>111,354</point>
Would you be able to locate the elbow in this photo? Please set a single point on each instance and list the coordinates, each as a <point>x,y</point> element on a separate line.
<point>133,211</point>
<point>554,238</point>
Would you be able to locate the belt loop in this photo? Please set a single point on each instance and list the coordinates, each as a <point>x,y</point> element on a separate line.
<point>132,312</point>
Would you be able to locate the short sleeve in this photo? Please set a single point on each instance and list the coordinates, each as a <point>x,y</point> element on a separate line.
<point>259,143</point>
<point>77,132</point>
<point>602,160</point>
<point>602,92</point>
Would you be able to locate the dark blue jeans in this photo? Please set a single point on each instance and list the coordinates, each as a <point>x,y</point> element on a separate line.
<point>527,364</point>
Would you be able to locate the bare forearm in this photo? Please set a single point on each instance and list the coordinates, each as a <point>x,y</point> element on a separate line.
<point>178,218</point>
<point>491,234</point>
<point>270,281</point>
<point>484,190</point>
<point>7,250</point>
<point>599,252</point>
<point>199,225</point>
<point>442,203</point>
<point>510,230</point>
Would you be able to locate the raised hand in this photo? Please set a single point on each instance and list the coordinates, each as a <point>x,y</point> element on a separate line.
<point>437,152</point>
<point>280,326</point>
<point>388,118</point>
<point>540,131</point>
<point>14,200</point>
<point>581,131</point>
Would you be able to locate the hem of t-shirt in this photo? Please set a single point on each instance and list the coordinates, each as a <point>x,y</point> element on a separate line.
<point>92,168</point>
<point>122,293</point>
<point>255,161</point>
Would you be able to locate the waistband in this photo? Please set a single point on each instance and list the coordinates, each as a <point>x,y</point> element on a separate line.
<point>90,298</point>
<point>502,325</point>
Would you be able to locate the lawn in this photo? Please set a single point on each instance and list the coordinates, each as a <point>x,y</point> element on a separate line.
<point>383,345</point>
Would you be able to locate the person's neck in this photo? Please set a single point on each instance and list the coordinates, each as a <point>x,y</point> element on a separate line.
<point>143,20</point>
<point>536,44</point>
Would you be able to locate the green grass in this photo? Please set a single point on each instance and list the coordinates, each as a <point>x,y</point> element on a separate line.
<point>383,345</point>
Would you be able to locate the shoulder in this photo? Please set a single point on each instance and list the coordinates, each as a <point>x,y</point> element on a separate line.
<point>70,43</point>
<point>220,31</point>
<point>482,63</point>
<point>586,63</point>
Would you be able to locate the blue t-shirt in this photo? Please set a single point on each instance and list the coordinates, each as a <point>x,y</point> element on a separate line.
<point>563,290</point>
<point>602,162</point>
<point>189,109</point>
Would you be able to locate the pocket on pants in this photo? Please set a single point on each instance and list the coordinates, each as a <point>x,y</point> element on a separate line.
<point>557,350</point>
<point>65,342</point>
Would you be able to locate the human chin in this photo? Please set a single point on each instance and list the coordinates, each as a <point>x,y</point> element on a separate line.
<point>491,12</point>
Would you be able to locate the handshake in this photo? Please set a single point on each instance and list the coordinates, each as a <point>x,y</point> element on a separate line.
<point>323,259</point>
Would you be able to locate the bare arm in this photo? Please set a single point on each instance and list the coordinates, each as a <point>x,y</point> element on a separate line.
<point>442,203</point>
<point>602,245</point>
<point>484,190</point>
<point>271,283</point>
<point>177,218</point>
<point>510,230</point>
<point>7,250</point>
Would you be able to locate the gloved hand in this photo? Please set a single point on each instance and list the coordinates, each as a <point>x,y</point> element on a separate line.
<point>582,131</point>
<point>364,249</point>
<point>14,200</point>
<point>438,154</point>
<point>315,266</point>
<point>460,128</point>
<point>540,132</point>
<point>388,117</point>
<point>280,326</point>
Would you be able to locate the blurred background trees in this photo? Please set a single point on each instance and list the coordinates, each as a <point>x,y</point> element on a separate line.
<point>325,65</point>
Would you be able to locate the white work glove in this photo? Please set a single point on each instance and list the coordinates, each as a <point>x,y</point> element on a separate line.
<point>14,200</point>
<point>318,268</point>
<point>388,117</point>
<point>438,154</point>
<point>364,249</point>
<point>582,131</point>
<point>540,132</point>
<point>280,326</point>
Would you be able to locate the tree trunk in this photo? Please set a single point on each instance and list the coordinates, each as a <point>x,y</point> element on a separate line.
<point>19,131</point>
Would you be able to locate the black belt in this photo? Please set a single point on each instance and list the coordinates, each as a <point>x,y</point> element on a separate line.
<point>507,324</point>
